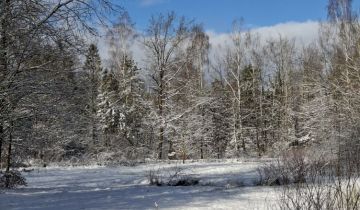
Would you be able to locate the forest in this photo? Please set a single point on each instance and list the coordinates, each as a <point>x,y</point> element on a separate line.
<point>63,102</point>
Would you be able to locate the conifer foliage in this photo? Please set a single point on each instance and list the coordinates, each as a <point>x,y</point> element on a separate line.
<point>62,100</point>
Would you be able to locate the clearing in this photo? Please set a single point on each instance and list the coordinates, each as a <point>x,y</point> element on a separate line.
<point>222,185</point>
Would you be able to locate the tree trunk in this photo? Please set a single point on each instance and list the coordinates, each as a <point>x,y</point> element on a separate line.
<point>93,132</point>
<point>161,113</point>
<point>3,62</point>
<point>184,156</point>
<point>202,136</point>
<point>258,145</point>
<point>161,141</point>
<point>1,141</point>
<point>265,139</point>
<point>262,121</point>
<point>240,137</point>
<point>8,159</point>
<point>4,37</point>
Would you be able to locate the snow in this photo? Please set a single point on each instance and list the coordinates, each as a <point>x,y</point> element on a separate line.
<point>222,185</point>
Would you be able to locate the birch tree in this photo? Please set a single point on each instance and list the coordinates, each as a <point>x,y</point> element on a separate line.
<point>235,61</point>
<point>165,36</point>
<point>27,25</point>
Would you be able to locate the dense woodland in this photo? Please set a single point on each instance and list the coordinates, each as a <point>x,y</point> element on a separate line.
<point>59,101</point>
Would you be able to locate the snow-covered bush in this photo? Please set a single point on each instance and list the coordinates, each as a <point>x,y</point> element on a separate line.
<point>11,179</point>
<point>322,193</point>
<point>296,166</point>
<point>174,176</point>
<point>291,167</point>
<point>310,181</point>
<point>273,174</point>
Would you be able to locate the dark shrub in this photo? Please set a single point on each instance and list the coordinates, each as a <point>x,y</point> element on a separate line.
<point>11,180</point>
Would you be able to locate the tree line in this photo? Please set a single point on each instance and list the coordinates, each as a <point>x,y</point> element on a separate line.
<point>60,101</point>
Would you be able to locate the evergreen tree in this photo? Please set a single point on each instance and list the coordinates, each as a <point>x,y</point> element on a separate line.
<point>131,102</point>
<point>251,97</point>
<point>92,70</point>
<point>108,113</point>
<point>221,119</point>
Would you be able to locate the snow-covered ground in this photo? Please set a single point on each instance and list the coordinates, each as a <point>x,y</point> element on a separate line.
<point>222,185</point>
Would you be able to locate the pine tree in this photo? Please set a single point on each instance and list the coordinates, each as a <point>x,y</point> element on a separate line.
<point>221,119</point>
<point>108,114</point>
<point>251,93</point>
<point>131,92</point>
<point>92,70</point>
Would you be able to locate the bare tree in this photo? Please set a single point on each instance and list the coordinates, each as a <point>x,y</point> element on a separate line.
<point>340,10</point>
<point>28,24</point>
<point>235,62</point>
<point>282,60</point>
<point>165,37</point>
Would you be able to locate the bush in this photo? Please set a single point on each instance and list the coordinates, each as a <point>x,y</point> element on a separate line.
<point>174,176</point>
<point>291,167</point>
<point>11,180</point>
<point>342,193</point>
<point>309,182</point>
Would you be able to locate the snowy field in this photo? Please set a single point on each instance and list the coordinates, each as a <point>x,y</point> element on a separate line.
<point>226,185</point>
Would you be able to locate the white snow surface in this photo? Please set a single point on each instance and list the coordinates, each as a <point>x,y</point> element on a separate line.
<point>222,185</point>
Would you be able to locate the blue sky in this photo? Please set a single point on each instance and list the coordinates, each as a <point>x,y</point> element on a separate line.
<point>292,19</point>
<point>217,15</point>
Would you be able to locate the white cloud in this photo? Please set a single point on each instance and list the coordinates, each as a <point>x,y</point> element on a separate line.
<point>304,33</point>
